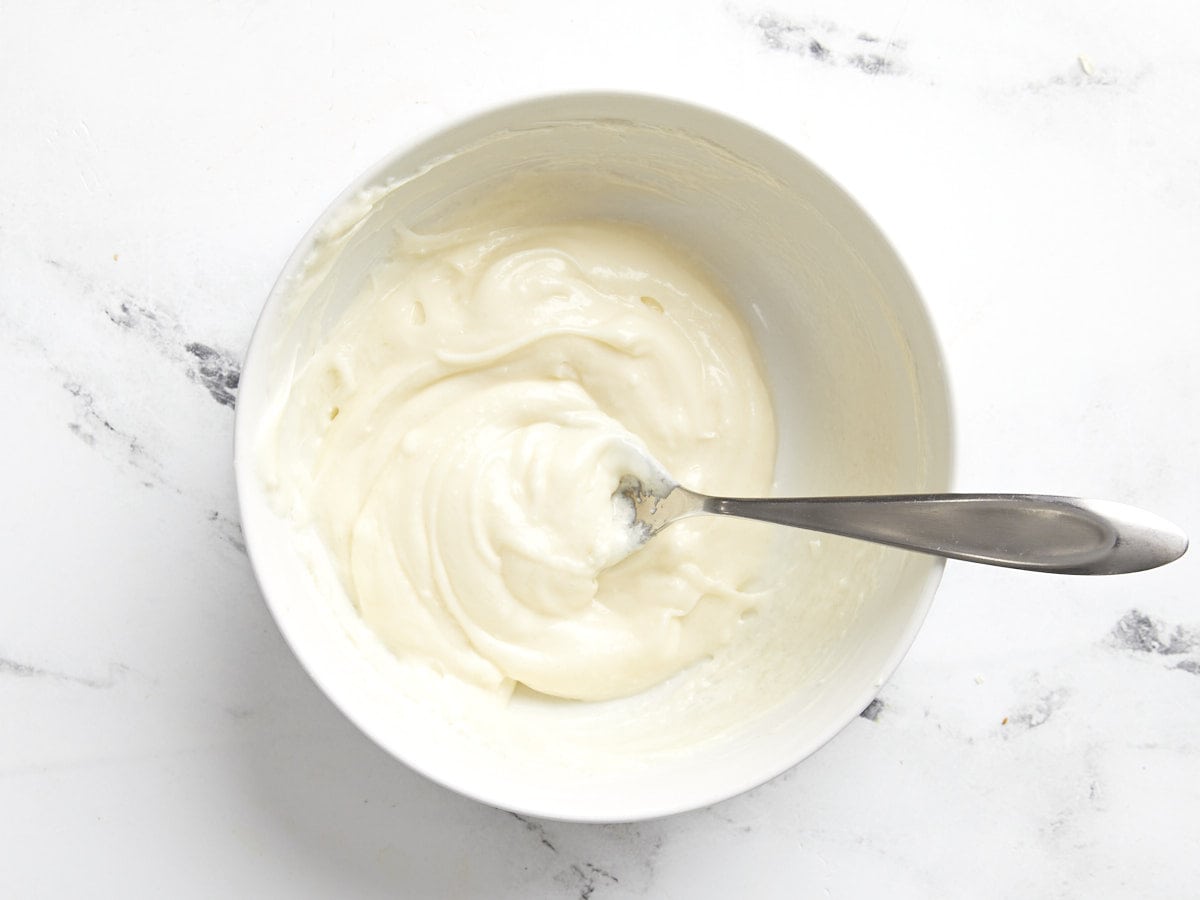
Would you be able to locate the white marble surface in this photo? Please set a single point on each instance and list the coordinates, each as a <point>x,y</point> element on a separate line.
<point>1038,165</point>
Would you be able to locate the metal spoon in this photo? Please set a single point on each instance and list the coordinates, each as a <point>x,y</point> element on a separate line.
<point>1043,533</point>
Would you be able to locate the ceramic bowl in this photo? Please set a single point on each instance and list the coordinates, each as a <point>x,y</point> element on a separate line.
<point>862,407</point>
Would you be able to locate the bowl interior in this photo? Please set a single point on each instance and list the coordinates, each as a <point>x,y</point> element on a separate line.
<point>861,406</point>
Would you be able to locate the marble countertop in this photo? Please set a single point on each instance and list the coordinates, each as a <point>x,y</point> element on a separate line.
<point>1037,165</point>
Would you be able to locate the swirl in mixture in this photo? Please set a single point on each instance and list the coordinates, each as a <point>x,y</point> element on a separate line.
<point>457,436</point>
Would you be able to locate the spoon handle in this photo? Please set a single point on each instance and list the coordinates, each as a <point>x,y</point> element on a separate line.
<point>1021,531</point>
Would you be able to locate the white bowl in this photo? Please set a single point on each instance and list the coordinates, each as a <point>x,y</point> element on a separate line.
<point>862,407</point>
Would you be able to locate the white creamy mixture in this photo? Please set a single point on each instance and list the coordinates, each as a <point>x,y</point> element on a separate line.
<point>457,436</point>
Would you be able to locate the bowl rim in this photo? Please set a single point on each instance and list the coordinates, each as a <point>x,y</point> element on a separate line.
<point>243,439</point>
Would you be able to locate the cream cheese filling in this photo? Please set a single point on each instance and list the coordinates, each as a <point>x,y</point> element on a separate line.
<point>456,437</point>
